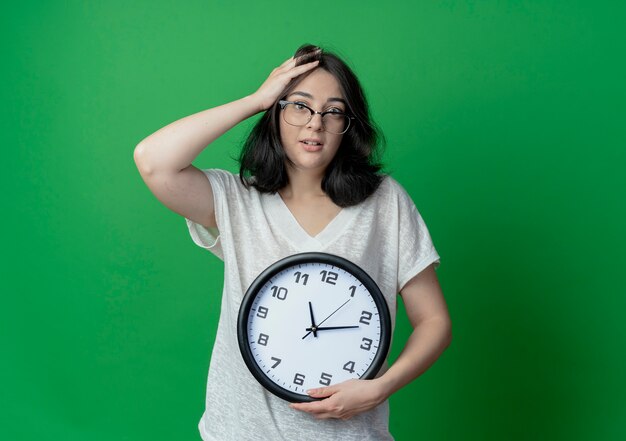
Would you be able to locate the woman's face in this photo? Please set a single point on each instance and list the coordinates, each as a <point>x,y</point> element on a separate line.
<point>310,147</point>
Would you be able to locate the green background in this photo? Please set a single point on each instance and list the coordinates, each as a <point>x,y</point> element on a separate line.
<point>505,121</point>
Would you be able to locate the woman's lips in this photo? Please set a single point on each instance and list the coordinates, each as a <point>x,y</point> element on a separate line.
<point>311,147</point>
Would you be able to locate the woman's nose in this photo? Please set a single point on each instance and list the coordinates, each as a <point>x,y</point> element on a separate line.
<point>316,122</point>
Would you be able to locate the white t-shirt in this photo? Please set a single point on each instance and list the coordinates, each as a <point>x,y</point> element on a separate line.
<point>385,235</point>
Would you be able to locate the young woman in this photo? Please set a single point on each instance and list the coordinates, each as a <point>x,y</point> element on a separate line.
<point>309,181</point>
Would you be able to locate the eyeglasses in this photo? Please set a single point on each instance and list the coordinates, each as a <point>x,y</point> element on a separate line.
<point>299,114</point>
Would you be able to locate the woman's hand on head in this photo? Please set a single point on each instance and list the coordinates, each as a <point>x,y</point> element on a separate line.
<point>344,400</point>
<point>280,77</point>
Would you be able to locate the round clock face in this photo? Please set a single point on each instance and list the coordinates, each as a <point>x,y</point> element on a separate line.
<point>313,320</point>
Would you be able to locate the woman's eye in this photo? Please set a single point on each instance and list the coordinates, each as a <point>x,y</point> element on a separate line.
<point>299,106</point>
<point>334,110</point>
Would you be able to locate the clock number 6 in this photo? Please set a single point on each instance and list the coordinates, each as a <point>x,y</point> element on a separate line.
<point>298,379</point>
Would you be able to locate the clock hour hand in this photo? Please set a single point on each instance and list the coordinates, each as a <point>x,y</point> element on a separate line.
<point>328,328</point>
<point>313,327</point>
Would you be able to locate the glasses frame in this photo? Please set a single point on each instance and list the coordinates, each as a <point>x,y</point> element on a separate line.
<point>283,104</point>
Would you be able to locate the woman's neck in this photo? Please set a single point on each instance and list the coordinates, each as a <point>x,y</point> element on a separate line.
<point>303,185</point>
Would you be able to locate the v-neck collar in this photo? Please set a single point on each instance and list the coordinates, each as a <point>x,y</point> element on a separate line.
<point>290,227</point>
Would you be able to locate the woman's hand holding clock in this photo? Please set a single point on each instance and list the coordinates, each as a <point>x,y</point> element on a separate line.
<point>344,400</point>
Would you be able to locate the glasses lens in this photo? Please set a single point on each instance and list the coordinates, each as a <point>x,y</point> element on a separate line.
<point>296,114</point>
<point>336,123</point>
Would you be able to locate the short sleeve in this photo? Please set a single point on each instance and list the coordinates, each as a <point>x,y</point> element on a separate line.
<point>416,249</point>
<point>209,238</point>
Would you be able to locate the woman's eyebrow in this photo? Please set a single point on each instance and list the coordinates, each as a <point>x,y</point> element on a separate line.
<point>308,95</point>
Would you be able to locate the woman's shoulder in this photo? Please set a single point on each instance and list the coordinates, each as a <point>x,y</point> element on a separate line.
<point>391,188</point>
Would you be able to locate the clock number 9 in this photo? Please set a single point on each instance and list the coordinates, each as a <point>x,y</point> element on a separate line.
<point>329,277</point>
<point>279,292</point>
<point>262,312</point>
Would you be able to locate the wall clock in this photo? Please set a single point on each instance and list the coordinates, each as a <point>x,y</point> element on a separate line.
<point>312,320</point>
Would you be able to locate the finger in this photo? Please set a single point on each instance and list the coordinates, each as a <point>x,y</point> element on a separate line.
<point>315,407</point>
<point>322,391</point>
<point>302,407</point>
<point>299,70</point>
<point>287,61</point>
<point>322,409</point>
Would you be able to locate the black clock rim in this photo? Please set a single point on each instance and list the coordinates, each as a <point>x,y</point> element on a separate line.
<point>309,257</point>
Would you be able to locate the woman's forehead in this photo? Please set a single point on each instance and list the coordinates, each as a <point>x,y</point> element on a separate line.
<point>319,86</point>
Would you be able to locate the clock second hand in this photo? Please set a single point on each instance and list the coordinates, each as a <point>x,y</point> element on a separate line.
<point>344,303</point>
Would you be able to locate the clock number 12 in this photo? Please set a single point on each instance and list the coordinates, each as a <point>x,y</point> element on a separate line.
<point>329,277</point>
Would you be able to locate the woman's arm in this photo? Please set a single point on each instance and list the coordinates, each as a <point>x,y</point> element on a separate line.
<point>428,314</point>
<point>432,331</point>
<point>164,158</point>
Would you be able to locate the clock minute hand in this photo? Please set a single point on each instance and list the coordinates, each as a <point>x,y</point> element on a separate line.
<point>331,314</point>
<point>327,328</point>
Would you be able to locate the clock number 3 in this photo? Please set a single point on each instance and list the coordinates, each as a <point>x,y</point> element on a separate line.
<point>367,344</point>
